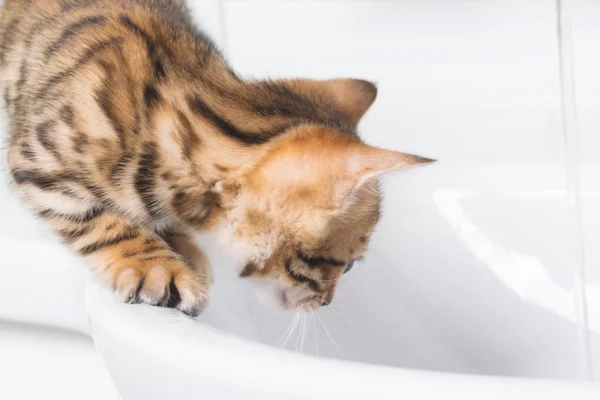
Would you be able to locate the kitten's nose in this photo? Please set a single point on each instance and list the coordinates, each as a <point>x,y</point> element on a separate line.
<point>349,266</point>
<point>328,298</point>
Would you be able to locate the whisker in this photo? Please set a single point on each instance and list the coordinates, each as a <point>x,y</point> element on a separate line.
<point>304,330</point>
<point>286,331</point>
<point>292,270</point>
<point>338,310</point>
<point>286,274</point>
<point>290,329</point>
<point>340,314</point>
<point>275,282</point>
<point>328,334</point>
<point>335,309</point>
<point>323,280</point>
<point>314,323</point>
<point>300,332</point>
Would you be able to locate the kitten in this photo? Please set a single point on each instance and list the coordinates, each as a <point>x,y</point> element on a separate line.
<point>129,133</point>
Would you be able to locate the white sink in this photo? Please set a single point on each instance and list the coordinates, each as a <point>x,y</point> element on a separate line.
<point>156,354</point>
<point>463,277</point>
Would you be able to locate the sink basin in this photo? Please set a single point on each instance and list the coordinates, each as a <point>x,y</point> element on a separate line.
<point>461,294</point>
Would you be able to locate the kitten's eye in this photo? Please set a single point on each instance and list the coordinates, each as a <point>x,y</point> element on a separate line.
<point>349,266</point>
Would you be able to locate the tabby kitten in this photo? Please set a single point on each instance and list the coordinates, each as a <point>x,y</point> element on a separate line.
<point>129,133</point>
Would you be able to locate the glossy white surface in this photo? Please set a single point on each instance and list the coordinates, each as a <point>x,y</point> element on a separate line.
<point>50,364</point>
<point>473,268</point>
<point>483,302</point>
<point>157,354</point>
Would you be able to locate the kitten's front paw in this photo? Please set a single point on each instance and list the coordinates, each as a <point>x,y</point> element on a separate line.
<point>168,284</point>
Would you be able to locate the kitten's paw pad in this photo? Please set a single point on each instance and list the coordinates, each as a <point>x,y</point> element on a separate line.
<point>172,286</point>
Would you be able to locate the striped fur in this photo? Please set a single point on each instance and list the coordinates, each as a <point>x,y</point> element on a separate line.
<point>129,133</point>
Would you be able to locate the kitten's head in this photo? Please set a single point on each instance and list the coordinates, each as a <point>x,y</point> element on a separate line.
<point>305,212</point>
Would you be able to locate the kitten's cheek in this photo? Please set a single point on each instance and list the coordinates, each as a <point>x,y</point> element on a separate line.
<point>278,299</point>
<point>270,294</point>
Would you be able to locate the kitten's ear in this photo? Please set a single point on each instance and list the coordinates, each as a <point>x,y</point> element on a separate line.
<point>371,162</point>
<point>351,98</point>
<point>323,167</point>
<point>366,163</point>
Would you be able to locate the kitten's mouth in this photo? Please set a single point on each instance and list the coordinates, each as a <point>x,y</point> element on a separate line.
<point>308,303</point>
<point>282,297</point>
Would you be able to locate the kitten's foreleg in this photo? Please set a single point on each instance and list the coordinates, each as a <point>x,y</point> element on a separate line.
<point>183,243</point>
<point>136,262</point>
